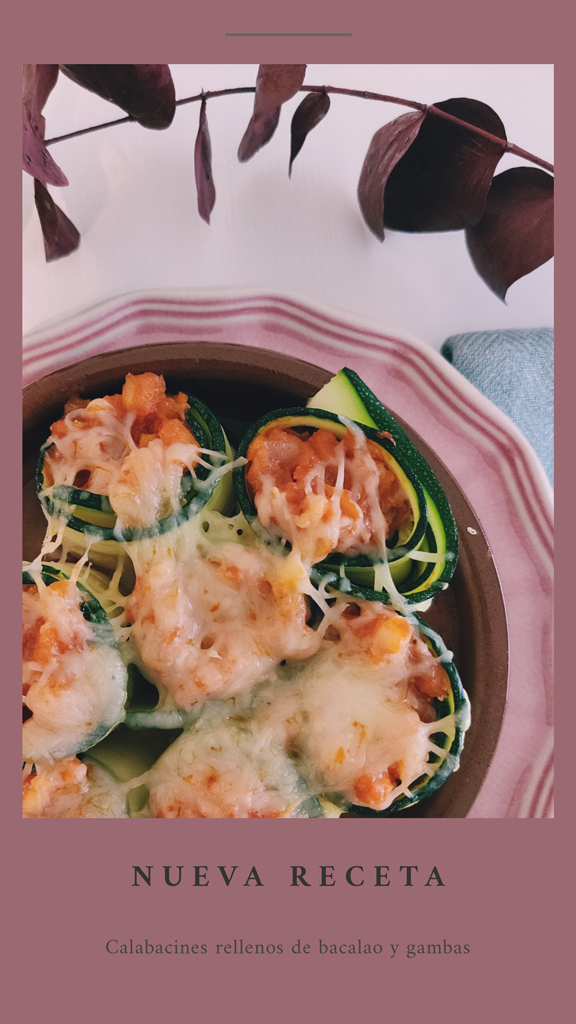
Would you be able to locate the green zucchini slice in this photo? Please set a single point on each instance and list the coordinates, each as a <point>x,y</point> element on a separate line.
<point>410,536</point>
<point>90,518</point>
<point>348,395</point>
<point>413,578</point>
<point>76,695</point>
<point>455,709</point>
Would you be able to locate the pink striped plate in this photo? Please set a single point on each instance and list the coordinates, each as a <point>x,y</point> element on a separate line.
<point>489,458</point>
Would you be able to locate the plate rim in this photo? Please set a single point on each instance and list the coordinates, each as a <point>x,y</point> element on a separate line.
<point>356,321</point>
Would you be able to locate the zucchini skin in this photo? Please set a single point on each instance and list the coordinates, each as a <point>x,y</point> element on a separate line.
<point>208,433</point>
<point>303,415</point>
<point>416,587</point>
<point>459,705</point>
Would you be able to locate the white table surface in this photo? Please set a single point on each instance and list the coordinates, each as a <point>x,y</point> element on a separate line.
<point>132,197</point>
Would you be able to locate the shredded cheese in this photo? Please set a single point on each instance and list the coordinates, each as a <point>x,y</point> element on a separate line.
<point>294,697</point>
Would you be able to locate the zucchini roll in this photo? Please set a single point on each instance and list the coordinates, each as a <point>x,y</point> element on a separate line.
<point>131,466</point>
<point>74,678</point>
<point>417,571</point>
<point>215,623</point>
<point>377,718</point>
<point>70,788</point>
<point>225,767</point>
<point>330,488</point>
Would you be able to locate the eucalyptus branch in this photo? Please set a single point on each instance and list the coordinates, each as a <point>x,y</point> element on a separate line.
<point>507,147</point>
<point>429,169</point>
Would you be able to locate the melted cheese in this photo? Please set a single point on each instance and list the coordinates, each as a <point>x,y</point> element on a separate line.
<point>317,517</point>
<point>219,622</point>
<point>72,789</point>
<point>225,767</point>
<point>95,441</point>
<point>356,715</point>
<point>74,683</point>
<point>275,712</point>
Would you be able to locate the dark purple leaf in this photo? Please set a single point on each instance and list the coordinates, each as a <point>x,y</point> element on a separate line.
<point>203,168</point>
<point>259,131</point>
<point>60,235</point>
<point>516,233</point>
<point>441,183</point>
<point>387,147</point>
<point>145,91</point>
<point>311,111</point>
<point>275,84</point>
<point>38,81</point>
<point>37,84</point>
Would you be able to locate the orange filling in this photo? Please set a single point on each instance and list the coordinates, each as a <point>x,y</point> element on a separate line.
<point>290,456</point>
<point>41,642</point>
<point>158,416</point>
<point>373,791</point>
<point>432,681</point>
<point>378,632</point>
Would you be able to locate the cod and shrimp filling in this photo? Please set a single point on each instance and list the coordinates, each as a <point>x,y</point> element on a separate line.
<point>73,683</point>
<point>134,448</point>
<point>359,716</point>
<point>70,788</point>
<point>323,493</point>
<point>218,623</point>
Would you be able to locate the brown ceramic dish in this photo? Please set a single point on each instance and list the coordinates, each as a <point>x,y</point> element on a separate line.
<point>232,379</point>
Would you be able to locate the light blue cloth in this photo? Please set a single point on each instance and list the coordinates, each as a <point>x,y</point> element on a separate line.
<point>515,370</point>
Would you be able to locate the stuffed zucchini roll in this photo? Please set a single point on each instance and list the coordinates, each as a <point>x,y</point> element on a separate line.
<point>74,678</point>
<point>225,767</point>
<point>418,572</point>
<point>328,487</point>
<point>132,465</point>
<point>217,622</point>
<point>376,719</point>
<point>70,788</point>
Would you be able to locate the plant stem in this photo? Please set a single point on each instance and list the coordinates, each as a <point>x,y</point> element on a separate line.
<point>125,120</point>
<point>507,147</point>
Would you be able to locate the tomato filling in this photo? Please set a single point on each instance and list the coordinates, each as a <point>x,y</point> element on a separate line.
<point>134,448</point>
<point>54,624</point>
<point>141,414</point>
<point>325,493</point>
<point>73,682</point>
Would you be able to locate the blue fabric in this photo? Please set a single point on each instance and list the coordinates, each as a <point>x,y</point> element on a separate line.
<point>515,370</point>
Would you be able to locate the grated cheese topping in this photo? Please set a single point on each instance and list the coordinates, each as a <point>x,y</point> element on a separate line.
<point>293,697</point>
<point>132,448</point>
<point>70,788</point>
<point>218,622</point>
<point>358,715</point>
<point>73,682</point>
<point>323,494</point>
<point>225,767</point>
